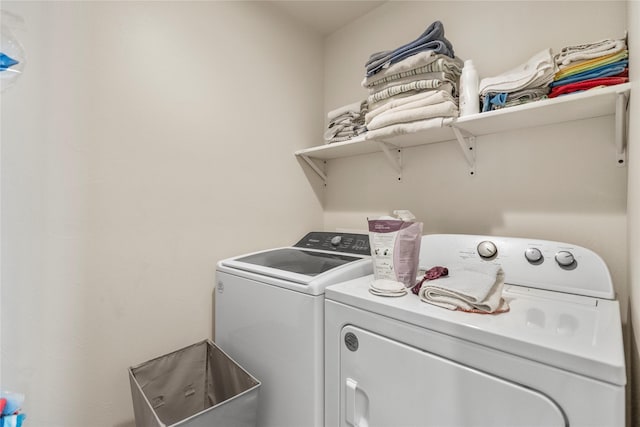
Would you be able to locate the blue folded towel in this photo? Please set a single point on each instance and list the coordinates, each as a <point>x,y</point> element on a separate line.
<point>497,99</point>
<point>431,39</point>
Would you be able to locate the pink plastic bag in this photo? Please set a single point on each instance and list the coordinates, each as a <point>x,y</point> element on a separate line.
<point>395,249</point>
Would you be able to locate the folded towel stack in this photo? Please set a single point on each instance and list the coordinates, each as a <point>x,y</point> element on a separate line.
<point>582,67</point>
<point>413,87</point>
<point>525,83</point>
<point>475,289</point>
<point>346,122</point>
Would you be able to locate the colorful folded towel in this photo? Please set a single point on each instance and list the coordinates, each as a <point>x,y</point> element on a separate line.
<point>608,70</point>
<point>591,64</point>
<point>586,84</point>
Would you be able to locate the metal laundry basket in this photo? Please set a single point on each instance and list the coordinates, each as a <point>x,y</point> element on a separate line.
<point>196,386</point>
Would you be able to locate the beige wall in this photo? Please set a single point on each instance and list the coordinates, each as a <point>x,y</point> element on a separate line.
<point>557,182</point>
<point>144,142</point>
<point>633,19</point>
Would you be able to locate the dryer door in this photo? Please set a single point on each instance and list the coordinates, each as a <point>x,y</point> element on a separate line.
<point>387,383</point>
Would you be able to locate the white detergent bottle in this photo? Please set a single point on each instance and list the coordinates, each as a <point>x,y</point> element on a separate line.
<point>469,97</point>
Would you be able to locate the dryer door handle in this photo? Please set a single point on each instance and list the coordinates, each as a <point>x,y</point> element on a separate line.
<point>350,409</point>
<point>355,417</point>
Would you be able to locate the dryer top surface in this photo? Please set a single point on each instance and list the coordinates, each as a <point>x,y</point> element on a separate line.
<point>563,316</point>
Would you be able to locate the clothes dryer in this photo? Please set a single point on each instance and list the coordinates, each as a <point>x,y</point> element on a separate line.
<point>555,359</point>
<point>269,317</point>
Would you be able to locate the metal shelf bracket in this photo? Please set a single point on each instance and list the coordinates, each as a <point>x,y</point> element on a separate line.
<point>622,111</point>
<point>468,147</point>
<point>315,167</point>
<point>393,155</point>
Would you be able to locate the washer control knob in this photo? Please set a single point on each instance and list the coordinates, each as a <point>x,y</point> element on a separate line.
<point>533,254</point>
<point>565,258</point>
<point>335,241</point>
<point>487,249</point>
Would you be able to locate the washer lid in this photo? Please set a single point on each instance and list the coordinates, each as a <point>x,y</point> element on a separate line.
<point>299,261</point>
<point>302,270</point>
<point>318,260</point>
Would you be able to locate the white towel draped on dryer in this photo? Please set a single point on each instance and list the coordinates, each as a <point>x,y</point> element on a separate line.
<point>468,288</point>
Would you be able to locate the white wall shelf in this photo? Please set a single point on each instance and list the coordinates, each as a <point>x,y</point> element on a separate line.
<point>611,100</point>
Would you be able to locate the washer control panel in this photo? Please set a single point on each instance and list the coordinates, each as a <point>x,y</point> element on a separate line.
<point>340,242</point>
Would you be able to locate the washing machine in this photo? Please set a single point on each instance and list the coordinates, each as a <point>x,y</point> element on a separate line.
<point>554,359</point>
<point>269,317</point>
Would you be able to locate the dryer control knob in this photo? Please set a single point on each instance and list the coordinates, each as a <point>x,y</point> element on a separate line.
<point>533,254</point>
<point>335,241</point>
<point>487,249</point>
<point>565,258</point>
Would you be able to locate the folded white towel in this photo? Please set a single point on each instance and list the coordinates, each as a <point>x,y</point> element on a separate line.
<point>583,52</point>
<point>350,108</point>
<point>468,288</point>
<point>446,108</point>
<point>537,71</point>
<point>343,130</point>
<point>404,97</point>
<point>406,128</point>
<point>419,99</point>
